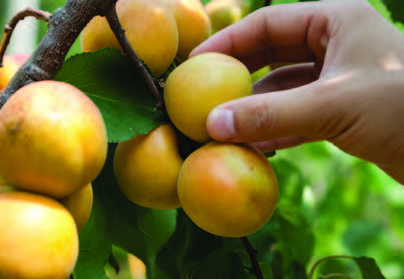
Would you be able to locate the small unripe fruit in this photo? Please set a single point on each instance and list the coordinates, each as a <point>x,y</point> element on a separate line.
<point>146,168</point>
<point>223,13</point>
<point>38,237</point>
<point>149,26</point>
<point>11,64</point>
<point>198,85</point>
<point>228,189</point>
<point>193,24</point>
<point>53,139</point>
<point>80,204</point>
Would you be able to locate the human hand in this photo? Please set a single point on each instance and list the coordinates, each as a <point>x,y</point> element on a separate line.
<point>348,87</point>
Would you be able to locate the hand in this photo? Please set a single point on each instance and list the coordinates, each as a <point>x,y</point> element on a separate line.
<point>346,86</point>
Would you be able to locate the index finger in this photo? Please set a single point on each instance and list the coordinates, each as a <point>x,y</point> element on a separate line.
<point>281,33</point>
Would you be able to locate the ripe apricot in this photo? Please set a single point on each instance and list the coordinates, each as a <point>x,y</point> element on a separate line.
<point>11,64</point>
<point>149,26</point>
<point>228,189</point>
<point>38,237</point>
<point>193,24</point>
<point>52,139</point>
<point>198,85</point>
<point>146,168</point>
<point>80,204</point>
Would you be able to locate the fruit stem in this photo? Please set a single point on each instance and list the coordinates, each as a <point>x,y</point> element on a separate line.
<point>119,33</point>
<point>8,31</point>
<point>252,252</point>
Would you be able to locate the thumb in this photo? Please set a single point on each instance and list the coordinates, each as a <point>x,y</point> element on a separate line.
<point>312,112</point>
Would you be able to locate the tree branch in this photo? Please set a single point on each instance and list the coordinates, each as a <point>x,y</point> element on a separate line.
<point>8,31</point>
<point>252,252</point>
<point>119,33</point>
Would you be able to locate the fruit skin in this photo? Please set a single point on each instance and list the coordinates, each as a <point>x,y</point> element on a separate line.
<point>53,139</point>
<point>80,204</point>
<point>11,64</point>
<point>146,168</point>
<point>223,13</point>
<point>228,189</point>
<point>149,26</point>
<point>193,24</point>
<point>198,85</point>
<point>38,237</point>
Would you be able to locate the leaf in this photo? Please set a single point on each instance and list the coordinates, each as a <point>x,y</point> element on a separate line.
<point>368,268</point>
<point>95,245</point>
<point>221,264</point>
<point>113,84</point>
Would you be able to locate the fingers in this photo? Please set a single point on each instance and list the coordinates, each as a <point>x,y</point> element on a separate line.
<point>286,78</point>
<point>274,34</point>
<point>311,111</point>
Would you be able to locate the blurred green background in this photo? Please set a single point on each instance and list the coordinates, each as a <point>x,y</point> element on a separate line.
<point>355,209</point>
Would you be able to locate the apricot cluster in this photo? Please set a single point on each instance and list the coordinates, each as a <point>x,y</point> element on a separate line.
<point>158,30</point>
<point>53,144</point>
<point>227,189</point>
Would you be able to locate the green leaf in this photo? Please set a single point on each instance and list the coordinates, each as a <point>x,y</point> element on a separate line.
<point>221,264</point>
<point>113,84</point>
<point>95,245</point>
<point>368,268</point>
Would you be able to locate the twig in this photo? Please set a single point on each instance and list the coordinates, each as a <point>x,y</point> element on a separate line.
<point>119,32</point>
<point>8,31</point>
<point>252,252</point>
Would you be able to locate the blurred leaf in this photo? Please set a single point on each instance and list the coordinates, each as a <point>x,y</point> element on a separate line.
<point>381,8</point>
<point>360,233</point>
<point>368,268</point>
<point>112,82</point>
<point>295,237</point>
<point>291,182</point>
<point>221,264</point>
<point>396,7</point>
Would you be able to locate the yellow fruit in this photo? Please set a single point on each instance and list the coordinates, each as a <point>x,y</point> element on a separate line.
<point>38,237</point>
<point>11,64</point>
<point>53,139</point>
<point>149,26</point>
<point>223,13</point>
<point>198,85</point>
<point>146,168</point>
<point>80,204</point>
<point>193,24</point>
<point>228,189</point>
<point>136,267</point>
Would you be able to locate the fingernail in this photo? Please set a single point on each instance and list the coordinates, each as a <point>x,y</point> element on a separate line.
<point>220,124</point>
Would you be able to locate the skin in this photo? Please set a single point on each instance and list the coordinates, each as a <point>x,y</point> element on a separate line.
<point>198,85</point>
<point>237,193</point>
<point>223,13</point>
<point>11,63</point>
<point>80,204</point>
<point>52,139</point>
<point>347,89</point>
<point>38,237</point>
<point>193,24</point>
<point>146,168</point>
<point>149,26</point>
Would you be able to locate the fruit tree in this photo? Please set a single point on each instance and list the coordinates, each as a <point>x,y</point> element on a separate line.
<point>106,167</point>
